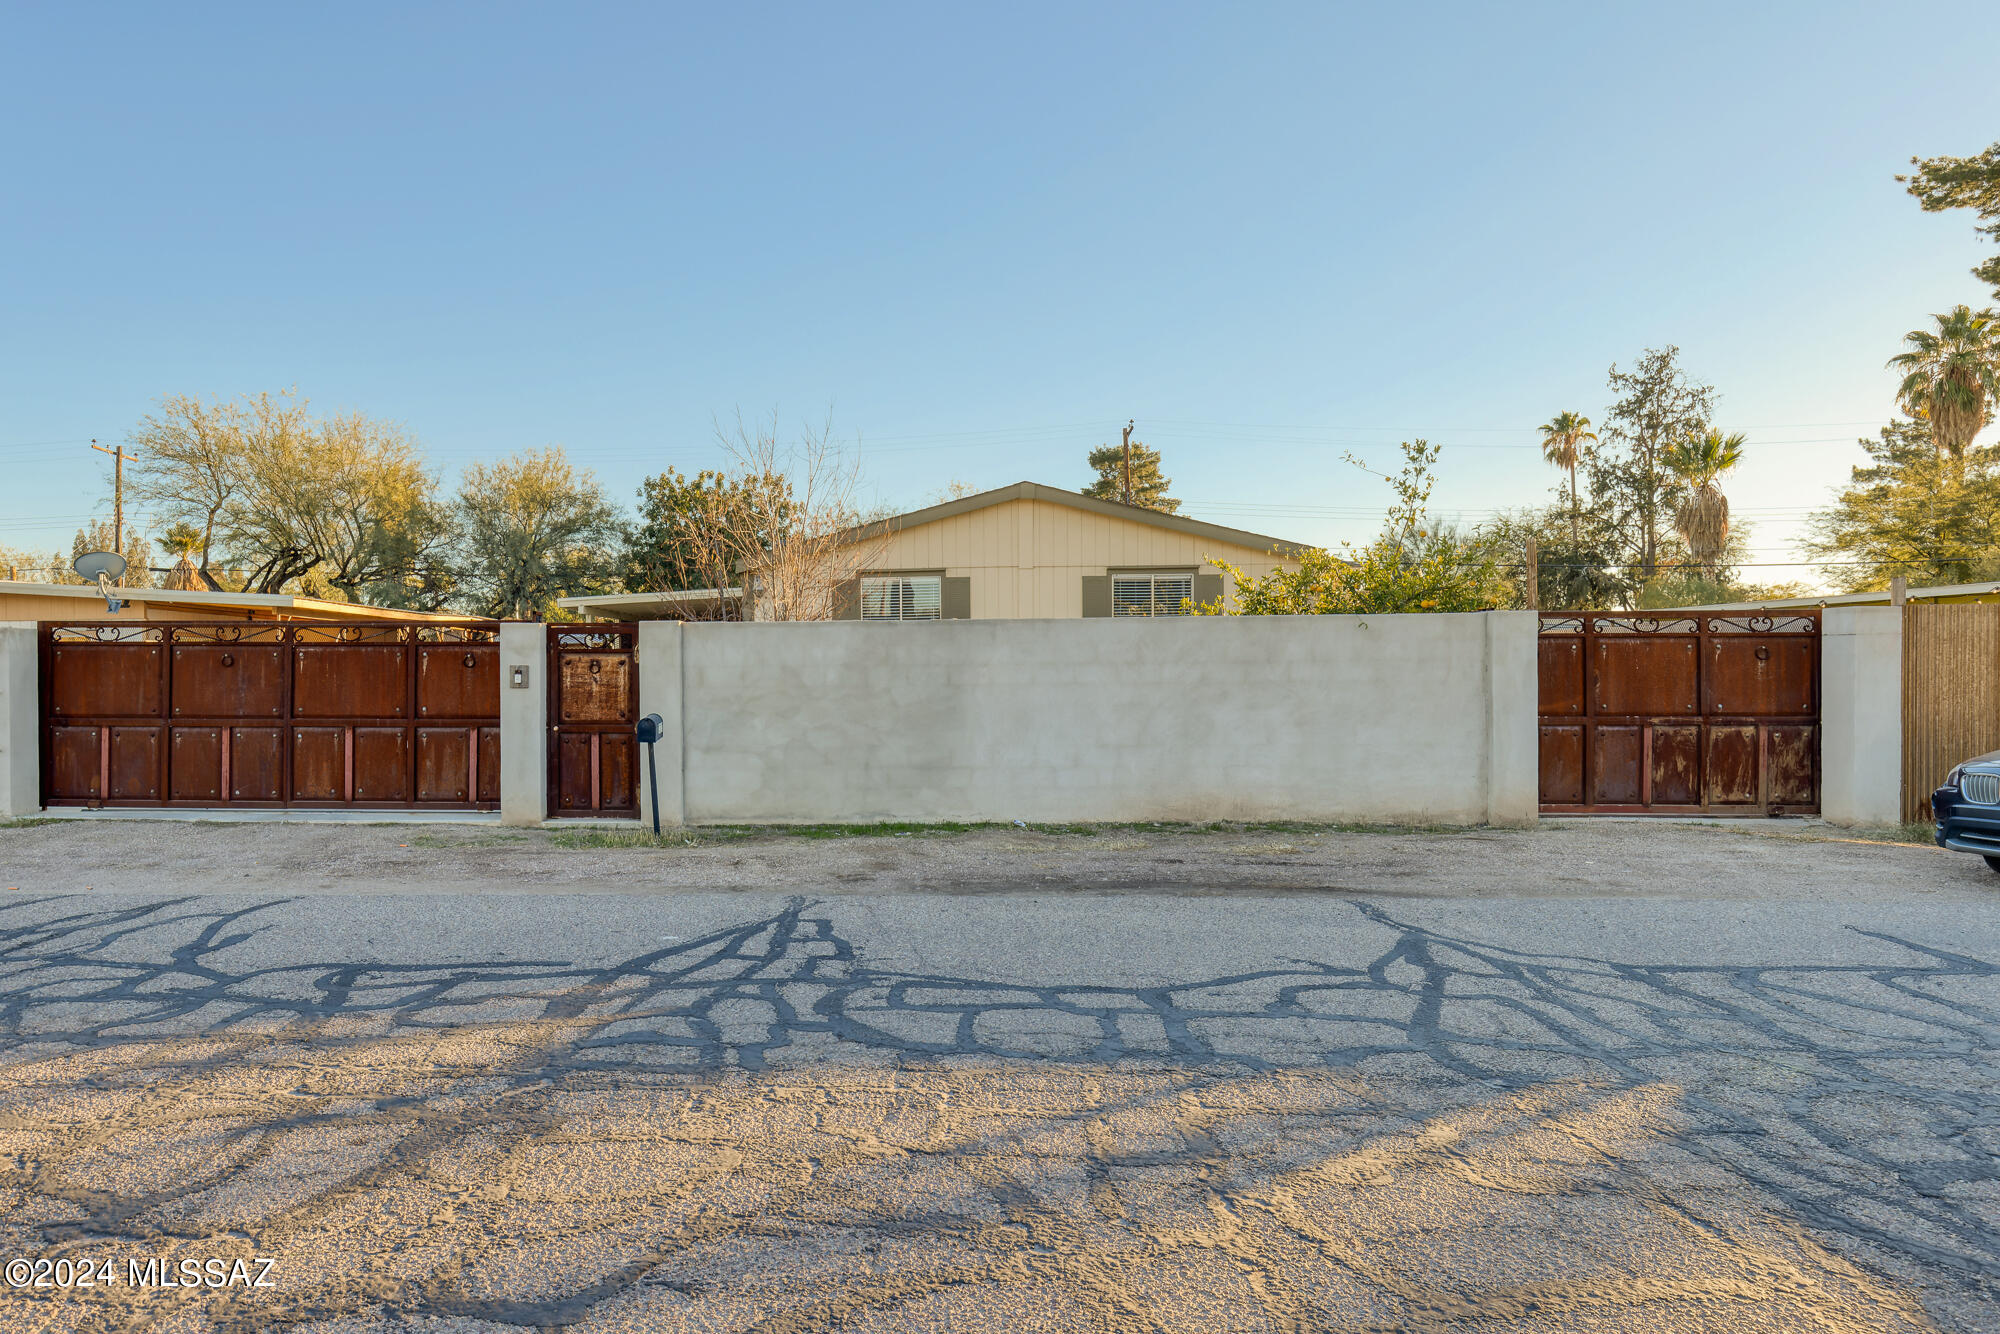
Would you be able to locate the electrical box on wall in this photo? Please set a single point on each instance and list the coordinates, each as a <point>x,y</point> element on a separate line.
<point>517,676</point>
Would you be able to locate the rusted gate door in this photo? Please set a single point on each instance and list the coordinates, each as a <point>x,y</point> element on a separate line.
<point>593,705</point>
<point>265,714</point>
<point>1680,715</point>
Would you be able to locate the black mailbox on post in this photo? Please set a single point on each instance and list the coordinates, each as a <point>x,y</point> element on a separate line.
<point>649,732</point>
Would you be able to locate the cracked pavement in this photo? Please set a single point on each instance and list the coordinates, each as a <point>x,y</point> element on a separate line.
<point>1212,1102</point>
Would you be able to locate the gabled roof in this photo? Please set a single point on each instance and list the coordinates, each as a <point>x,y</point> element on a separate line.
<point>1054,495</point>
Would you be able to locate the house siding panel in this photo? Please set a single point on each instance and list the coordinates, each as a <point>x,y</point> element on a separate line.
<point>1028,558</point>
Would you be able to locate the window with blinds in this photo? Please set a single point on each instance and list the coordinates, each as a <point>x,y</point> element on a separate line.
<point>901,597</point>
<point>1151,594</point>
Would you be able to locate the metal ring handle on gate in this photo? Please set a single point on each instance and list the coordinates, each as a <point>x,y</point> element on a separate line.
<point>470,660</point>
<point>229,660</point>
<point>1763,653</point>
<point>595,666</point>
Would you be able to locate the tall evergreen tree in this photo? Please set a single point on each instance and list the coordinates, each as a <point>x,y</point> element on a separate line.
<point>1657,405</point>
<point>1941,183</point>
<point>1149,487</point>
<point>1913,510</point>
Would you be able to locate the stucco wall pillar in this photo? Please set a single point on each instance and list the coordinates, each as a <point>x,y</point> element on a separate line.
<point>20,721</point>
<point>660,692</point>
<point>524,723</point>
<point>1513,731</point>
<point>1861,715</point>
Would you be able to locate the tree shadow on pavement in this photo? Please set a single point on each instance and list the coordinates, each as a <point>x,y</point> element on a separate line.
<point>763,1117</point>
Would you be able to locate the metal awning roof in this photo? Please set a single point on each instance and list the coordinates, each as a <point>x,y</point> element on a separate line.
<point>201,600</point>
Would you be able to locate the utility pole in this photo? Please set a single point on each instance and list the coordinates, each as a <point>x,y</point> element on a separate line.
<point>118,456</point>
<point>1128,464</point>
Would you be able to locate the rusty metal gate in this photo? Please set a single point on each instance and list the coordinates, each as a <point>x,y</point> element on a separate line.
<point>1680,714</point>
<point>593,705</point>
<point>270,714</point>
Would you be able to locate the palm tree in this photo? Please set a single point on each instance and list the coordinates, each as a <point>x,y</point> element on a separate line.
<point>1702,518</point>
<point>1562,445</point>
<point>183,540</point>
<point>1952,377</point>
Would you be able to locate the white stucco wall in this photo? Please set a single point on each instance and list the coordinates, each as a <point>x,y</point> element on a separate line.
<point>1418,718</point>
<point>1513,738</point>
<point>660,692</point>
<point>1861,715</point>
<point>524,724</point>
<point>20,721</point>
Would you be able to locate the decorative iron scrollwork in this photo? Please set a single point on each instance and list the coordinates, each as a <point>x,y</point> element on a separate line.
<point>601,640</point>
<point>111,633</point>
<point>1764,623</point>
<point>229,632</point>
<point>352,633</point>
<point>485,632</point>
<point>1645,625</point>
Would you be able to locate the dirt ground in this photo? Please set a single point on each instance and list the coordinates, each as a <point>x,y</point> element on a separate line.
<point>1560,858</point>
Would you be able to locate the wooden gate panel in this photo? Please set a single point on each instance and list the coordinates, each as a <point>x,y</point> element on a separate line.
<point>229,681</point>
<point>1681,713</point>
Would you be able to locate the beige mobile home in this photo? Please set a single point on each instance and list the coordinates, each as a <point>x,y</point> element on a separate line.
<point>1019,552</point>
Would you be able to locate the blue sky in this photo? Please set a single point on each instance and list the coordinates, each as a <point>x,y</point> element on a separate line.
<point>982,238</point>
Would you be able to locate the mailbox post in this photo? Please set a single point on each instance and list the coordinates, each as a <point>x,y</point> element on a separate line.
<point>649,732</point>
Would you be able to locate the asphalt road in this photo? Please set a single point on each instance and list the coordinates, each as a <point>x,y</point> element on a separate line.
<point>1214,1104</point>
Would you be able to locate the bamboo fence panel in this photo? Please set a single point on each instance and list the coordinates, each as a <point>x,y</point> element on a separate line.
<point>1951,693</point>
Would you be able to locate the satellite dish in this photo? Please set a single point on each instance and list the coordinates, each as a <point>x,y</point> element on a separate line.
<point>100,568</point>
<point>92,564</point>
